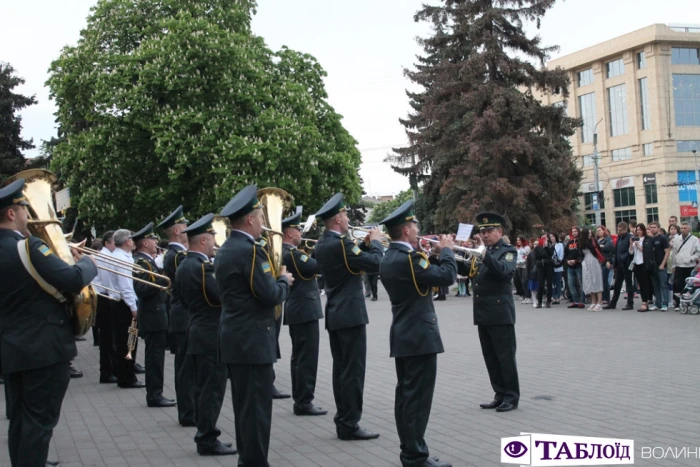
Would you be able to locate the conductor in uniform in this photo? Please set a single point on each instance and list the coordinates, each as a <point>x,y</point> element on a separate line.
<point>152,315</point>
<point>414,338</point>
<point>199,295</point>
<point>302,310</point>
<point>36,338</point>
<point>247,335</point>
<point>342,263</point>
<point>174,226</point>
<point>494,311</point>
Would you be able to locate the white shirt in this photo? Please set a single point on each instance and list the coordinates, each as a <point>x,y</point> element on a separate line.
<point>198,253</point>
<point>407,245</point>
<point>103,277</point>
<point>638,252</point>
<point>124,285</point>
<point>244,233</point>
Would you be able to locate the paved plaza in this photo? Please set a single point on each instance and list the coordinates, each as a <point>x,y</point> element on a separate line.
<point>618,374</point>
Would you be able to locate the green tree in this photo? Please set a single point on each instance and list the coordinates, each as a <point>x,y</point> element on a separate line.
<point>177,102</point>
<point>11,142</point>
<point>478,135</point>
<point>383,209</point>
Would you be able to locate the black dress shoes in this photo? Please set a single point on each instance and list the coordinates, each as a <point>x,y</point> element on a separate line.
<point>609,307</point>
<point>374,299</point>
<point>138,369</point>
<point>111,379</point>
<point>435,462</point>
<point>276,394</point>
<point>506,407</point>
<point>360,434</point>
<point>628,307</point>
<point>309,410</point>
<point>494,404</point>
<point>218,449</point>
<point>135,385</point>
<point>75,373</point>
<point>162,402</point>
<point>187,423</point>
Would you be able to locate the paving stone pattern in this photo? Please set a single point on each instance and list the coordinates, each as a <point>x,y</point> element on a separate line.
<point>617,374</point>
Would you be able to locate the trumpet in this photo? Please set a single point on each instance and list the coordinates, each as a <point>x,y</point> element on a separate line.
<point>133,336</point>
<point>386,240</point>
<point>469,253</point>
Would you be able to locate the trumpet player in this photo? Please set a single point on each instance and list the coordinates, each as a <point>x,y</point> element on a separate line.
<point>152,315</point>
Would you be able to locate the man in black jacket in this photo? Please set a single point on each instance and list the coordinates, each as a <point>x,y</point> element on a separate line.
<point>199,295</point>
<point>152,315</point>
<point>302,310</point>
<point>247,336</point>
<point>36,339</point>
<point>622,271</point>
<point>342,263</point>
<point>174,226</point>
<point>415,336</point>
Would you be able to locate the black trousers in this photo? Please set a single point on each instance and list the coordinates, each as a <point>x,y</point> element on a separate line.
<point>108,352</point>
<point>251,390</point>
<point>210,389</point>
<point>37,396</point>
<point>278,329</point>
<point>679,277</point>
<point>349,352</point>
<point>623,274</point>
<point>545,274</point>
<point>371,282</point>
<point>498,347</point>
<point>121,321</point>
<point>644,282</point>
<point>304,362</point>
<point>156,342</point>
<point>184,380</point>
<point>412,403</point>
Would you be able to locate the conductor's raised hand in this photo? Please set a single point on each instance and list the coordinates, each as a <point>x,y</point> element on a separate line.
<point>288,275</point>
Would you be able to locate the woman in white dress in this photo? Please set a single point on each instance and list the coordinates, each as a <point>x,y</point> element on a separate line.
<point>592,277</point>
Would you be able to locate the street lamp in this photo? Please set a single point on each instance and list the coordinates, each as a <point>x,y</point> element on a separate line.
<point>695,156</point>
<point>596,202</point>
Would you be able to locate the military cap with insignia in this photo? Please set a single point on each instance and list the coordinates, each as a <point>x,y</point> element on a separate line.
<point>243,203</point>
<point>292,222</point>
<point>488,220</point>
<point>12,194</point>
<point>174,218</point>
<point>201,226</point>
<point>401,215</point>
<point>334,206</point>
<point>146,232</point>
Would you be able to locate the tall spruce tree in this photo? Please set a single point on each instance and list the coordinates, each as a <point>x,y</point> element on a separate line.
<point>11,142</point>
<point>479,138</point>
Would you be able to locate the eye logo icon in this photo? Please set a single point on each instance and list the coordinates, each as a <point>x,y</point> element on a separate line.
<point>515,449</point>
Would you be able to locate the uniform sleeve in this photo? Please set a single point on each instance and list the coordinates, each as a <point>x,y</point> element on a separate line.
<point>303,264</point>
<point>65,277</point>
<point>358,260</point>
<point>442,274</point>
<point>503,267</point>
<point>210,287</point>
<point>258,272</point>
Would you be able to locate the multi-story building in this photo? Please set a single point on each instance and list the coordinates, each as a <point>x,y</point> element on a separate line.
<point>640,95</point>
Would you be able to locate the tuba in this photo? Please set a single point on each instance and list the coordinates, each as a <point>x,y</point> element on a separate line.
<point>223,230</point>
<point>44,224</point>
<point>275,202</point>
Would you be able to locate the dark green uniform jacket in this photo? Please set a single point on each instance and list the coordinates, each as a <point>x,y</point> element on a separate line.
<point>153,314</point>
<point>304,301</point>
<point>178,316</point>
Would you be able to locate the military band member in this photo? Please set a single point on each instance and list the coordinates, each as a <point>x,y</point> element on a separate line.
<point>36,335</point>
<point>494,311</point>
<point>174,226</point>
<point>247,341</point>
<point>342,263</point>
<point>302,310</point>
<point>414,338</point>
<point>199,295</point>
<point>152,315</point>
<point>108,354</point>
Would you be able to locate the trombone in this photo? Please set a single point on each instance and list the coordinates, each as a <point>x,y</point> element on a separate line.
<point>98,286</point>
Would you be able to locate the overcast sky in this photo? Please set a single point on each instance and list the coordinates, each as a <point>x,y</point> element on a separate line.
<point>364,45</point>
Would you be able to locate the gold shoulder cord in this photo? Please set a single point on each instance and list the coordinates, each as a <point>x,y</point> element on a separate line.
<point>342,244</point>
<point>413,275</point>
<point>252,269</point>
<point>178,254</point>
<point>297,268</point>
<point>141,260</point>
<point>204,289</point>
<point>474,269</point>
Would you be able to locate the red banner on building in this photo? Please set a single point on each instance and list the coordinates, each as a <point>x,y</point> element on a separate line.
<point>689,211</point>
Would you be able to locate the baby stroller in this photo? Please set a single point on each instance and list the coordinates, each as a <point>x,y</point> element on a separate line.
<point>690,297</point>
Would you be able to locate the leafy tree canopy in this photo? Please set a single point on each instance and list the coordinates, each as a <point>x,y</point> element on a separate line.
<point>11,142</point>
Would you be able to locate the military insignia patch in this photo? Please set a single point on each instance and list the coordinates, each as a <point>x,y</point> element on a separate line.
<point>510,257</point>
<point>263,242</point>
<point>304,258</point>
<point>266,267</point>
<point>356,250</point>
<point>423,263</point>
<point>44,250</point>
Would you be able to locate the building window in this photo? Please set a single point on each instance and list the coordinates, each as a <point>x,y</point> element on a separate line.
<point>588,201</point>
<point>686,99</point>
<point>624,197</point>
<point>617,99</point>
<point>652,215</point>
<point>644,104</point>
<point>686,186</point>
<point>648,149</point>
<point>585,77</point>
<point>590,218</point>
<point>621,154</point>
<point>687,145</point>
<point>586,105</point>
<point>641,60</point>
<point>650,193</point>
<point>616,68</point>
<point>588,160</point>
<point>685,56</point>
<point>625,216</point>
